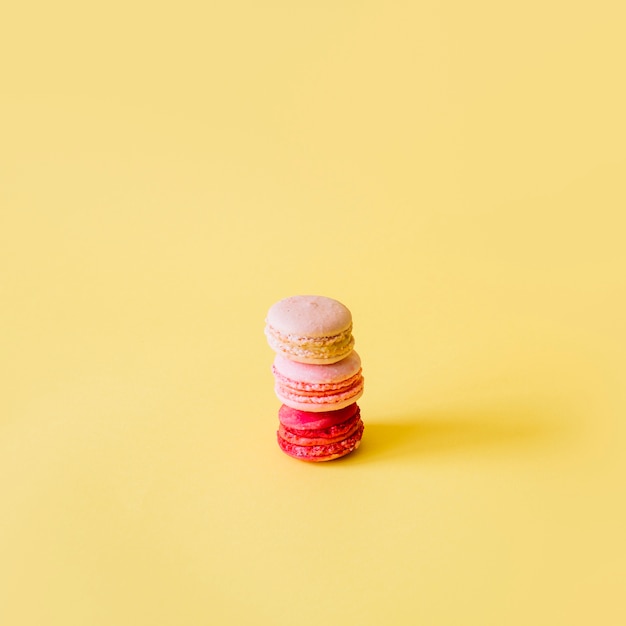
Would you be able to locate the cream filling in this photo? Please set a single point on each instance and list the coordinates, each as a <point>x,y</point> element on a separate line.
<point>311,347</point>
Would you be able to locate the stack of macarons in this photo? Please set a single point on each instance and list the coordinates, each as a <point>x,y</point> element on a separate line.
<point>317,377</point>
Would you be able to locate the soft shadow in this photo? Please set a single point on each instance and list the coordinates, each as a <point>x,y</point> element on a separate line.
<point>482,433</point>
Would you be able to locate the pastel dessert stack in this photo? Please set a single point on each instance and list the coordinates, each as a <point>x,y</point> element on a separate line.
<point>318,377</point>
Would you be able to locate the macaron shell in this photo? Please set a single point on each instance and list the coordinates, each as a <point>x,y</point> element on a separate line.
<point>305,420</point>
<point>328,452</point>
<point>309,316</point>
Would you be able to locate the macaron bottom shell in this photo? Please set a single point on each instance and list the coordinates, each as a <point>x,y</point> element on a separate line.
<point>322,452</point>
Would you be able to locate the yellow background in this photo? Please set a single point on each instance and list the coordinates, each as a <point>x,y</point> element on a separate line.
<point>452,171</point>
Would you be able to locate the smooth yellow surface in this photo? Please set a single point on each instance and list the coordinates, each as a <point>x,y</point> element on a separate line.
<point>454,172</point>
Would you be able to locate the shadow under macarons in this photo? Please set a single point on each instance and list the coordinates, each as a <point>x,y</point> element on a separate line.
<point>487,432</point>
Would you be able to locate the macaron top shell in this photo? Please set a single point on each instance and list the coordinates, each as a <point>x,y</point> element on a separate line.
<point>309,316</point>
<point>305,420</point>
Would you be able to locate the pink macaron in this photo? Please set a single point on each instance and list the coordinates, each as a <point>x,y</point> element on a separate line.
<point>310,329</point>
<point>318,388</point>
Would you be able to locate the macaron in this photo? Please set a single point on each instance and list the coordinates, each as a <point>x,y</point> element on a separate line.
<point>322,444</point>
<point>318,388</point>
<point>310,329</point>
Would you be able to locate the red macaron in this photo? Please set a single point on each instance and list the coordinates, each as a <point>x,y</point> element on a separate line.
<point>319,436</point>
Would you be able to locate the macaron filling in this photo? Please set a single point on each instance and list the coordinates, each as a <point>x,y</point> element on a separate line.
<point>315,389</point>
<point>326,397</point>
<point>311,349</point>
<point>311,437</point>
